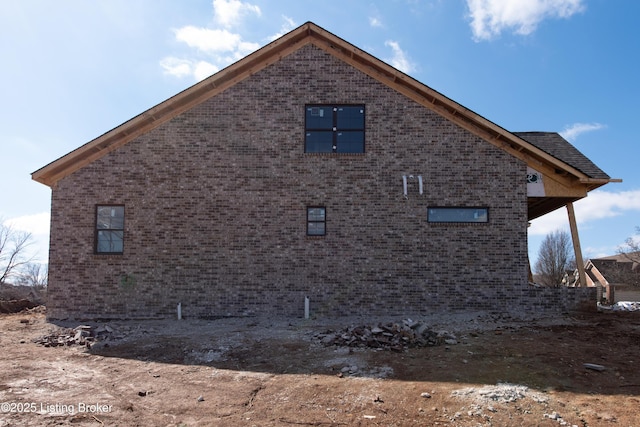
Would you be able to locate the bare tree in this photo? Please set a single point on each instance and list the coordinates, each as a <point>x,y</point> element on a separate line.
<point>13,245</point>
<point>554,258</point>
<point>34,274</point>
<point>631,248</point>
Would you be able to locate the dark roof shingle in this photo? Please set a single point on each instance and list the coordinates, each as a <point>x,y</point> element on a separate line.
<point>554,144</point>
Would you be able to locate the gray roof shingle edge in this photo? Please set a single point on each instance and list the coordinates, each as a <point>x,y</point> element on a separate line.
<point>554,144</point>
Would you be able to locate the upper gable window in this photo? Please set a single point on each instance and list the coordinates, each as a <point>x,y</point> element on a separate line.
<point>109,229</point>
<point>334,129</point>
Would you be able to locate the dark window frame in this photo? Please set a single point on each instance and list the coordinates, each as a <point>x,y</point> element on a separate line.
<point>337,132</point>
<point>109,230</point>
<point>317,221</point>
<point>460,220</point>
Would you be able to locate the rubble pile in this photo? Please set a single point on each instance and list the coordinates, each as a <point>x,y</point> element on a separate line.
<point>388,336</point>
<point>81,335</point>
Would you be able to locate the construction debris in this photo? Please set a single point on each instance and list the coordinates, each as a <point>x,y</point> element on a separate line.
<point>389,336</point>
<point>626,306</point>
<point>81,335</point>
<point>501,392</point>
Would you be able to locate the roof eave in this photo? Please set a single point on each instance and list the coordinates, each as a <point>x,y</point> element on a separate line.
<point>593,183</point>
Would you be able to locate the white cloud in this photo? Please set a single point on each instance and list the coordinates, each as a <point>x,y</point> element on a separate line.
<point>177,67</point>
<point>598,205</point>
<point>591,252</point>
<point>228,13</point>
<point>207,40</point>
<point>38,226</point>
<point>220,46</point>
<point>571,132</point>
<point>489,18</point>
<point>399,60</point>
<point>183,67</point>
<point>375,22</point>
<point>203,69</point>
<point>289,24</point>
<point>34,224</point>
<point>556,220</point>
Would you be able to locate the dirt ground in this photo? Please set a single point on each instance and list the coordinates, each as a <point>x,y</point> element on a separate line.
<point>500,371</point>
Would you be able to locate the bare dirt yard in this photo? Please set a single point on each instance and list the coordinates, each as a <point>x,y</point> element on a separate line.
<point>466,370</point>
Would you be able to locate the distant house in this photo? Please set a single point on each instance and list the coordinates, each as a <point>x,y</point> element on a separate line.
<point>617,277</point>
<point>309,169</point>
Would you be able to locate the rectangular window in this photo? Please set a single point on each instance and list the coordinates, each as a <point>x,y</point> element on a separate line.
<point>109,229</point>
<point>334,129</point>
<point>316,221</point>
<point>439,214</point>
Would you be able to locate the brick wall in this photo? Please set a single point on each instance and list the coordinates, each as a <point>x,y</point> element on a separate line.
<point>215,211</point>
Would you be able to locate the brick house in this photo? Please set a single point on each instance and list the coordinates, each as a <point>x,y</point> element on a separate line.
<point>307,169</point>
<point>617,277</point>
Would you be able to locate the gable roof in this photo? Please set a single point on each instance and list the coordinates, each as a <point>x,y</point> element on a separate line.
<point>309,33</point>
<point>616,269</point>
<point>622,257</point>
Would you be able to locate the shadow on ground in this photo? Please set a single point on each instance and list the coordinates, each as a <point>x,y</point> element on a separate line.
<point>544,357</point>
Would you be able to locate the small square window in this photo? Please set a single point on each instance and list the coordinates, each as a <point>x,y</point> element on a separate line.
<point>109,232</point>
<point>316,221</point>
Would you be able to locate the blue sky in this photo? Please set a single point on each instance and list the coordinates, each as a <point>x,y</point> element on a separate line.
<point>74,69</point>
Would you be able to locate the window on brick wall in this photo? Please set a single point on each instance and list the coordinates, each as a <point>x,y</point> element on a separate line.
<point>316,221</point>
<point>457,214</point>
<point>109,237</point>
<point>334,129</point>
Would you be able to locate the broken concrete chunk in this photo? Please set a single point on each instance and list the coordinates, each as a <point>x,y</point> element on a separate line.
<point>389,336</point>
<point>81,335</point>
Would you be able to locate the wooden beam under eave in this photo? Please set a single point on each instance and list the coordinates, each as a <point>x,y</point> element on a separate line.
<point>603,280</point>
<point>576,245</point>
<point>600,181</point>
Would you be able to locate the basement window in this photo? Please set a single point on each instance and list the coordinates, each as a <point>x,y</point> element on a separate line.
<point>334,129</point>
<point>458,214</point>
<point>316,221</point>
<point>109,237</point>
